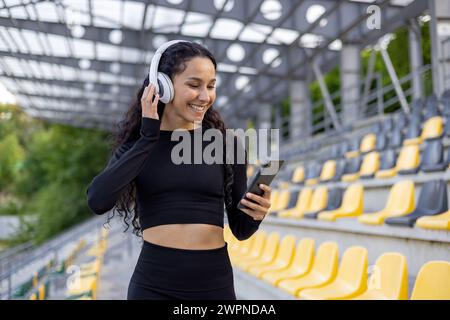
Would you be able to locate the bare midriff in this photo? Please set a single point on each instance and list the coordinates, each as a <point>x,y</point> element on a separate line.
<point>186,236</point>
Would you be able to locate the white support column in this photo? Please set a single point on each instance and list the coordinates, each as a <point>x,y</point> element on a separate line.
<point>264,116</point>
<point>350,79</point>
<point>300,124</point>
<point>440,46</point>
<point>415,58</point>
<point>331,109</point>
<point>395,81</point>
<point>264,122</point>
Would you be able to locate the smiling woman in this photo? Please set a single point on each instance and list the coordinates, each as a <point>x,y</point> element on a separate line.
<point>195,94</point>
<point>177,208</point>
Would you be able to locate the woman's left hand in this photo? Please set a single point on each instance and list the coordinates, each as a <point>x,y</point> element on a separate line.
<point>259,209</point>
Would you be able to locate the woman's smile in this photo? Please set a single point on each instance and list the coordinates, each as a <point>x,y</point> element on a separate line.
<point>197,109</point>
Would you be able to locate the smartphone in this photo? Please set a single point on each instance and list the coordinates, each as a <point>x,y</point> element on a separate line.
<point>264,175</point>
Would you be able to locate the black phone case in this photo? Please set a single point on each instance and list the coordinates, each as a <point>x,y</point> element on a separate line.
<point>256,181</point>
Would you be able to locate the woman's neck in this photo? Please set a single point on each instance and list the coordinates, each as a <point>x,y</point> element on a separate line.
<point>170,123</point>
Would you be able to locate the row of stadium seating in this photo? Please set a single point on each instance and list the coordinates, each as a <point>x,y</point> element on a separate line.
<point>381,139</point>
<point>389,132</point>
<point>40,282</point>
<point>382,153</point>
<point>342,176</point>
<point>330,204</point>
<point>82,286</point>
<point>85,285</point>
<point>308,274</point>
<point>373,165</point>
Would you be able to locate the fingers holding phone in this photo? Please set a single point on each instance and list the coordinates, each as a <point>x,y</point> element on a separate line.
<point>257,206</point>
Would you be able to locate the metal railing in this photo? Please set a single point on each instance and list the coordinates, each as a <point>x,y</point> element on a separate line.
<point>380,99</point>
<point>24,256</point>
<point>383,98</point>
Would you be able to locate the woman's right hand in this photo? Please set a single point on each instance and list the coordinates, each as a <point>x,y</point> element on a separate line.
<point>149,108</point>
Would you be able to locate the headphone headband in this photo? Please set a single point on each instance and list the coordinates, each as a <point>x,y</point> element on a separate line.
<point>153,72</point>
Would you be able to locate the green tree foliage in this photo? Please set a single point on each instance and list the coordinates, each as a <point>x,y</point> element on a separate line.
<point>11,159</point>
<point>399,54</point>
<point>61,163</point>
<point>57,163</point>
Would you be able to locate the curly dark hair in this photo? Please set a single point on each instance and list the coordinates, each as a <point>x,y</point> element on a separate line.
<point>173,61</point>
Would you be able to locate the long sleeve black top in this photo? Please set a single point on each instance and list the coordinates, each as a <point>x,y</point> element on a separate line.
<point>167,192</point>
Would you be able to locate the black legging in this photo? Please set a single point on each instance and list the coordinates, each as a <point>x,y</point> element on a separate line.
<point>164,273</point>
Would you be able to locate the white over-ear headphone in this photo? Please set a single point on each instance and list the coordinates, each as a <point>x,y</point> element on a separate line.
<point>162,82</point>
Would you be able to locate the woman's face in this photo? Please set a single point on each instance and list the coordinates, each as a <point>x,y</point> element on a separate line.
<point>195,92</point>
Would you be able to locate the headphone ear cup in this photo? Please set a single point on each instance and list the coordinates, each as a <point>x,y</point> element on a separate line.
<point>166,91</point>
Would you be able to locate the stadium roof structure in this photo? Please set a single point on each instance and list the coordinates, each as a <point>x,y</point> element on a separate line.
<point>81,62</point>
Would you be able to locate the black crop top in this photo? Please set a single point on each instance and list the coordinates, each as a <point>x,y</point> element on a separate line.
<point>169,193</point>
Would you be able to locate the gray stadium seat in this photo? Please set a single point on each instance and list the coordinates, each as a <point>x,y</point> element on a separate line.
<point>432,201</point>
<point>433,157</point>
<point>395,139</point>
<point>334,202</point>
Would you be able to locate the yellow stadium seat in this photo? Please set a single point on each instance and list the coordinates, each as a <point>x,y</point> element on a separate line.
<point>227,233</point>
<point>350,177</point>
<point>389,279</point>
<point>273,200</point>
<point>368,143</point>
<point>279,201</point>
<point>322,272</point>
<point>98,249</point>
<point>267,256</point>
<point>92,267</point>
<point>408,158</point>
<point>299,175</point>
<point>250,170</point>
<point>246,246</point>
<point>282,200</point>
<point>86,285</point>
<point>328,171</point>
<point>437,222</point>
<point>370,165</point>
<point>242,249</point>
<point>313,173</point>
<point>301,206</point>
<point>388,173</point>
<point>312,182</point>
<point>408,161</point>
<point>319,200</point>
<point>352,204</point>
<point>256,250</point>
<point>284,185</point>
<point>351,279</point>
<point>81,244</point>
<point>432,128</point>
<point>230,239</point>
<point>281,261</point>
<point>41,292</point>
<point>432,282</point>
<point>352,154</point>
<point>104,233</point>
<point>400,202</point>
<point>35,280</point>
<point>233,246</point>
<point>301,263</point>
